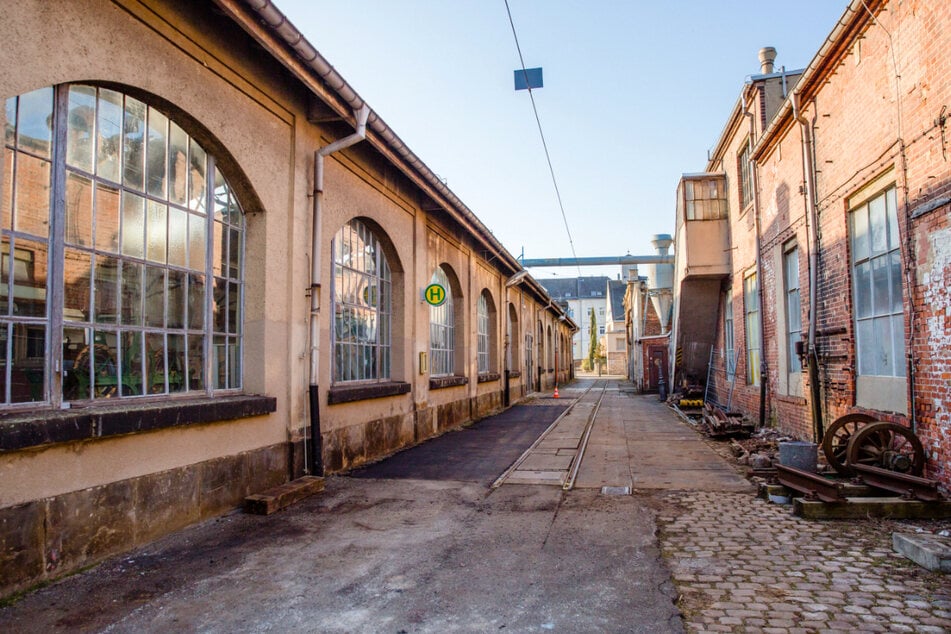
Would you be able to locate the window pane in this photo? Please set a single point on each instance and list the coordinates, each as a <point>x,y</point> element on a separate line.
<point>78,210</point>
<point>131,361</point>
<point>154,296</point>
<point>863,290</point>
<point>105,368</point>
<point>196,302</point>
<point>107,218</point>
<point>81,127</point>
<point>860,235</point>
<point>196,362</point>
<point>156,232</point>
<point>77,272</point>
<point>894,277</point>
<point>157,145</point>
<point>219,249</point>
<point>106,289</point>
<point>32,196</point>
<point>196,177</point>
<point>110,135</point>
<point>177,234</point>
<point>34,133</point>
<point>133,137</point>
<point>891,208</point>
<point>176,363</point>
<point>176,299</point>
<point>879,238</point>
<point>6,192</point>
<point>234,253</point>
<point>881,346</point>
<point>177,165</point>
<point>132,295</point>
<point>9,128</point>
<point>898,343</point>
<point>28,374</point>
<point>234,363</point>
<point>196,242</point>
<point>220,307</point>
<point>133,225</point>
<point>155,362</point>
<point>219,362</point>
<point>233,302</point>
<point>881,302</point>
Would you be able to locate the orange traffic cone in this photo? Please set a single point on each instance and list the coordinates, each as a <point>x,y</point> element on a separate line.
<point>556,391</point>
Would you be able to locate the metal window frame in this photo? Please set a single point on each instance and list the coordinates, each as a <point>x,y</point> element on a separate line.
<point>55,320</point>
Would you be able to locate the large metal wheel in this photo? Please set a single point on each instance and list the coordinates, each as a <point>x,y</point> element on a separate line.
<point>835,442</point>
<point>887,446</point>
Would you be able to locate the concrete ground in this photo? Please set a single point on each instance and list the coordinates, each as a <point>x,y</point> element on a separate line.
<point>408,546</point>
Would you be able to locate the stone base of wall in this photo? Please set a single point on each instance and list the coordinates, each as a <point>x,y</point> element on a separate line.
<point>350,447</point>
<point>49,538</point>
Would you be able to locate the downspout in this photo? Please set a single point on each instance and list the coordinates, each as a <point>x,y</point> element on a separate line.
<point>813,230</point>
<point>316,261</point>
<point>759,270</point>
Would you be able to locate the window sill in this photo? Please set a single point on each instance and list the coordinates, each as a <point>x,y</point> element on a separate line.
<point>440,382</point>
<point>487,377</point>
<point>47,427</point>
<point>514,374</point>
<point>351,393</point>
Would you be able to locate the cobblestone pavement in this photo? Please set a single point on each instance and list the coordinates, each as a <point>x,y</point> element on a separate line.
<point>741,564</point>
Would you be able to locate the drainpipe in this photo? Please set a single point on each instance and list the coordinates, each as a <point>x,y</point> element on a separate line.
<point>316,261</point>
<point>759,272</point>
<point>813,230</point>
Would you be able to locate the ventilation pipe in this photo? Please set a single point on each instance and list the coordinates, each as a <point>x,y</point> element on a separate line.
<point>813,230</point>
<point>767,55</point>
<point>316,261</point>
<point>660,281</point>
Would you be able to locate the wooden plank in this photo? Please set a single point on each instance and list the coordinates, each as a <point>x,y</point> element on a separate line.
<point>282,496</point>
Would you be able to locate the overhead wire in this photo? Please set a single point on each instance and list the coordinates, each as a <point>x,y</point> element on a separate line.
<point>541,133</point>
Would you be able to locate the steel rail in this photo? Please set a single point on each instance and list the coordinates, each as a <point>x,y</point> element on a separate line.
<point>579,456</point>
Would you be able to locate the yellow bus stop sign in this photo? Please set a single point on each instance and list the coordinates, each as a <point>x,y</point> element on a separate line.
<point>435,295</point>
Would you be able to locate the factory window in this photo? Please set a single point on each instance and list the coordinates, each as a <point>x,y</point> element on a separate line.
<point>442,330</point>
<point>729,352</point>
<point>511,338</point>
<point>877,278</point>
<point>746,181</point>
<point>123,253</point>
<point>485,355</point>
<point>753,345</point>
<point>793,309</point>
<point>362,301</point>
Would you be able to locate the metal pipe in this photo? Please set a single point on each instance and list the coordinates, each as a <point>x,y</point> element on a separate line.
<point>599,261</point>
<point>316,261</point>
<point>759,271</point>
<point>812,227</point>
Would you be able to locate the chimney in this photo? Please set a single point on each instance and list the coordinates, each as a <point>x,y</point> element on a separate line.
<point>767,55</point>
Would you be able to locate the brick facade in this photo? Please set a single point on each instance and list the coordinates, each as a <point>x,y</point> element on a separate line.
<point>875,98</point>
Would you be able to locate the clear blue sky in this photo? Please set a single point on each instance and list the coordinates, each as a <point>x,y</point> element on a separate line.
<point>636,92</point>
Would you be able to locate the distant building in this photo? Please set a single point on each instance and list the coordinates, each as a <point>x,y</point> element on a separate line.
<point>614,339</point>
<point>578,295</point>
<point>647,311</point>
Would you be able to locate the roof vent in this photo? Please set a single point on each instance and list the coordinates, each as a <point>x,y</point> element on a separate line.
<point>767,55</point>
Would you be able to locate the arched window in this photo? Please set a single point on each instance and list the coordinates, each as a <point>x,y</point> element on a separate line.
<point>122,251</point>
<point>442,330</point>
<point>486,333</point>
<point>512,338</point>
<point>362,306</point>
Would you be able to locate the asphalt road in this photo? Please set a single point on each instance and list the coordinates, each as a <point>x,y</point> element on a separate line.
<point>436,552</point>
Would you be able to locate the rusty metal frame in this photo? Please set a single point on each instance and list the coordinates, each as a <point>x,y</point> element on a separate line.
<point>814,486</point>
<point>908,486</point>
